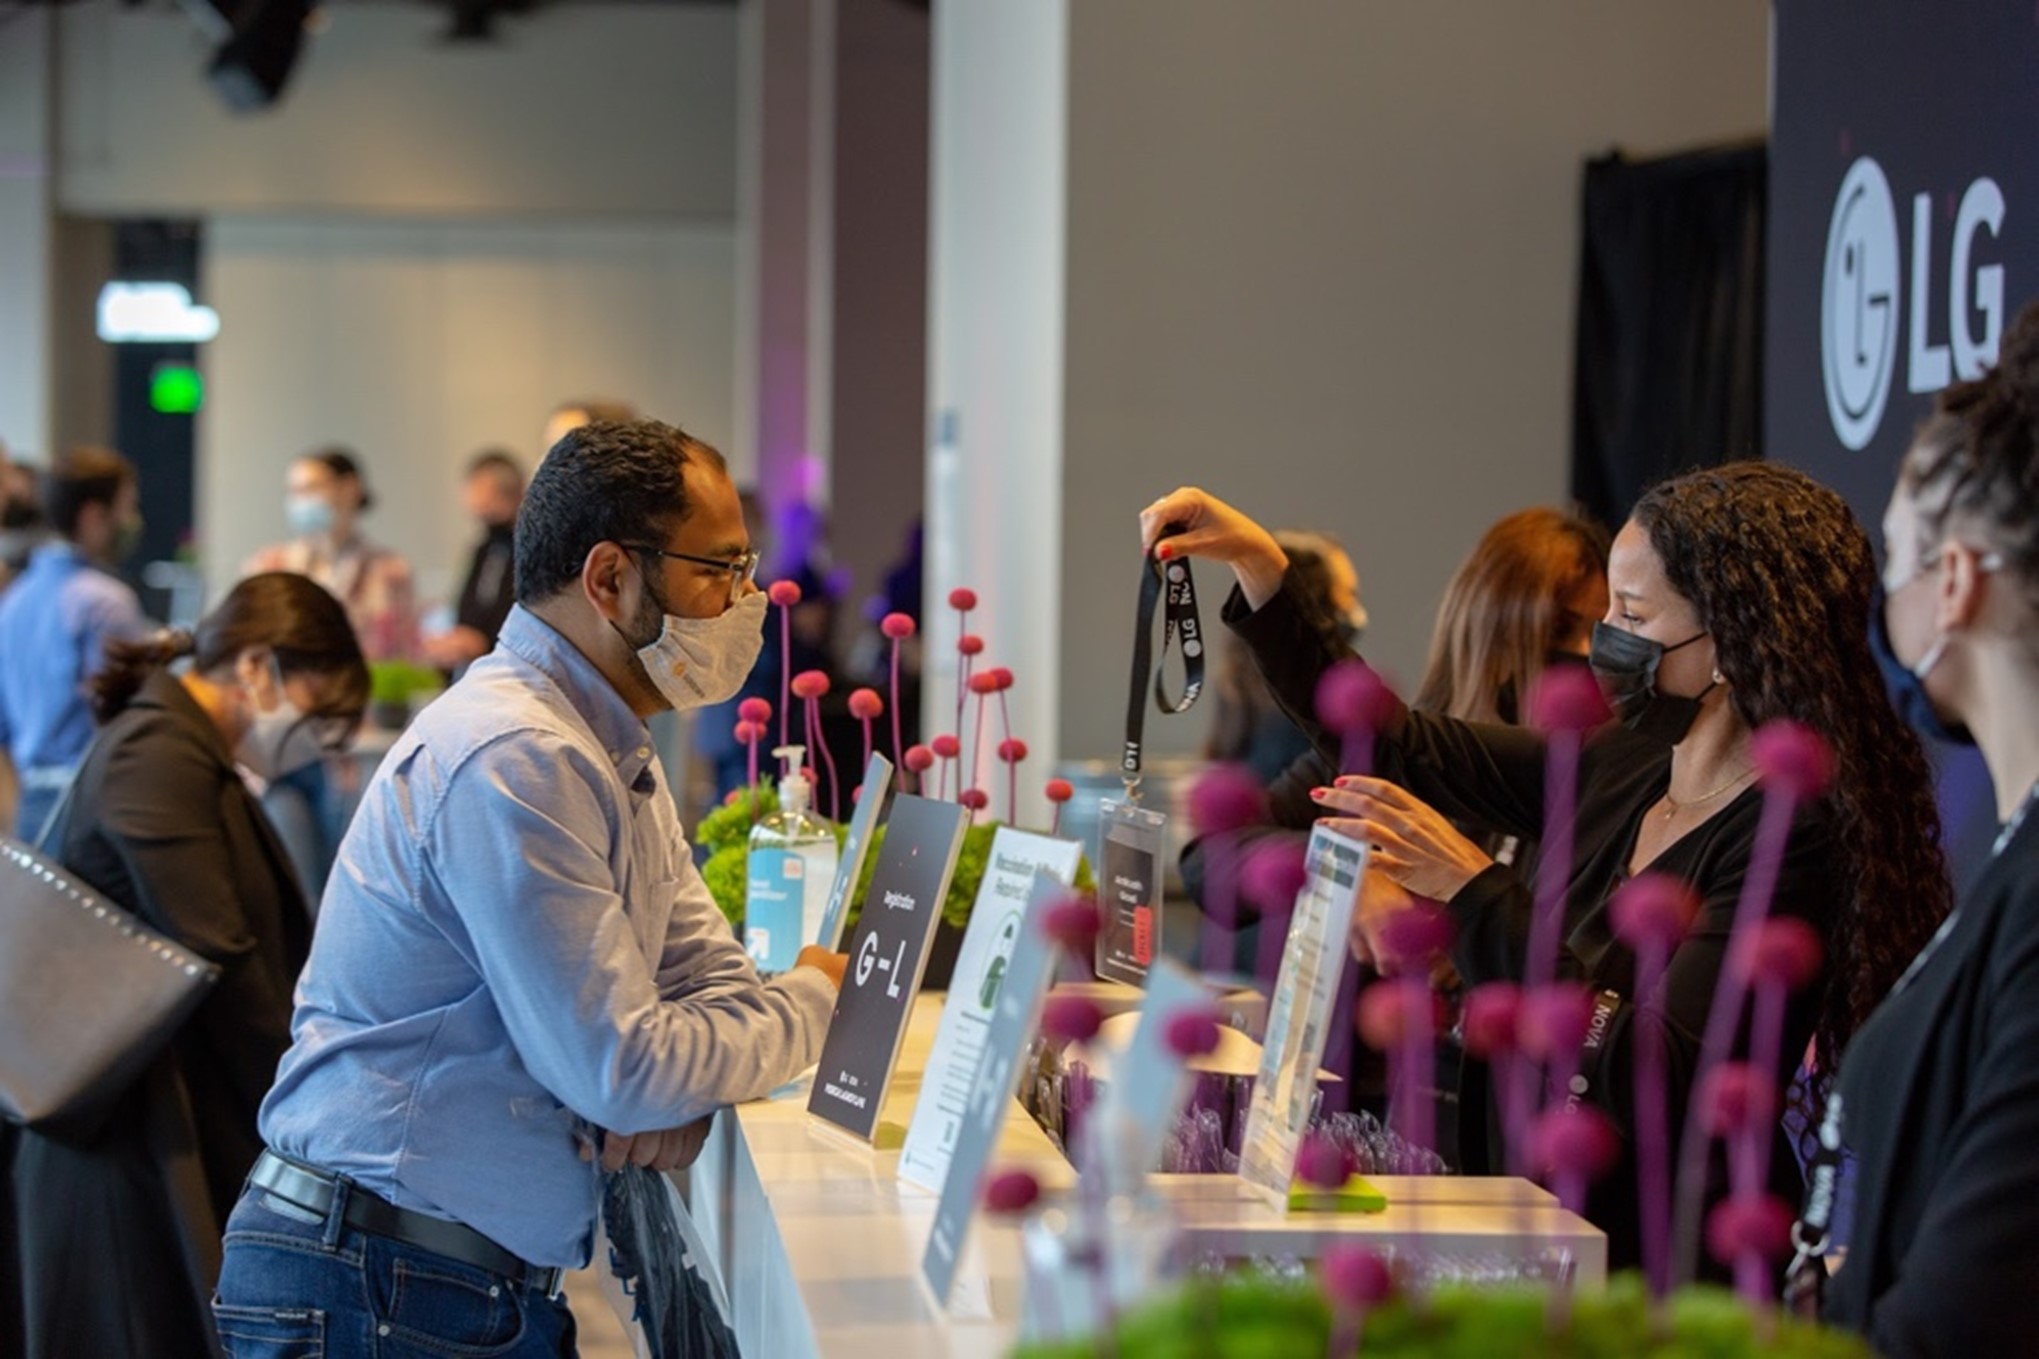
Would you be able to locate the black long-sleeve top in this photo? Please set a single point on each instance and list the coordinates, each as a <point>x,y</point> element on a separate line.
<point>1493,777</point>
<point>1940,1105</point>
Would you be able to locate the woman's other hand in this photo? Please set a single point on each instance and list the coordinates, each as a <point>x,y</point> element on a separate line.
<point>1214,530</point>
<point>1413,844</point>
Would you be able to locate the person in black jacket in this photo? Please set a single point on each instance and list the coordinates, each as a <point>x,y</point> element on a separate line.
<point>1739,595</point>
<point>1939,1097</point>
<point>491,492</point>
<point>117,1236</point>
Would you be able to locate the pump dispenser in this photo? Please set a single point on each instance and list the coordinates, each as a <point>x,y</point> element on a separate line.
<point>791,868</point>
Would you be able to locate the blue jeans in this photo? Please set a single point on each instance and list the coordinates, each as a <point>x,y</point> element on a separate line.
<point>34,809</point>
<point>298,1286</point>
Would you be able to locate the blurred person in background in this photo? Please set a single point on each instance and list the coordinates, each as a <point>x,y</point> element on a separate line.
<point>161,824</point>
<point>21,518</point>
<point>569,416</point>
<point>56,622</point>
<point>1247,726</point>
<point>491,492</point>
<point>326,495</point>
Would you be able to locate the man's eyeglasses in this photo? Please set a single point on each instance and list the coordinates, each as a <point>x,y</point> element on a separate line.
<point>742,570</point>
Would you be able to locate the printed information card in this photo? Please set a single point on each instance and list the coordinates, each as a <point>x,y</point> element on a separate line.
<point>996,923</point>
<point>1029,967</point>
<point>886,960</point>
<point>1299,1013</point>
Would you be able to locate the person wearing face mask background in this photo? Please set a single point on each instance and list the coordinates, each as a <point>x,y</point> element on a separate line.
<point>1739,594</point>
<point>326,494</point>
<point>1938,1100</point>
<point>160,823</point>
<point>57,620</point>
<point>519,975</point>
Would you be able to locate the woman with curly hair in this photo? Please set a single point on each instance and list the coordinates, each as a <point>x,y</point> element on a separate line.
<point>1740,595</point>
<point>1939,1096</point>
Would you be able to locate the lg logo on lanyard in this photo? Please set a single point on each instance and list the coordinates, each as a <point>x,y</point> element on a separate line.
<point>1860,292</point>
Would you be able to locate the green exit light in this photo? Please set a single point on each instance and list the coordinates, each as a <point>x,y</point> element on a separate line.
<point>176,389</point>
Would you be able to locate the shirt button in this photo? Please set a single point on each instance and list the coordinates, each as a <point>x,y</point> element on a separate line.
<point>644,752</point>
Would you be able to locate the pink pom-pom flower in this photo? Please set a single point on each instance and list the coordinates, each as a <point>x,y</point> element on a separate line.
<point>1059,790</point>
<point>866,704</point>
<point>1415,936</point>
<point>1653,910</point>
<point>1352,698</point>
<point>810,684</point>
<point>1192,1032</point>
<point>1567,698</point>
<point>1578,1141</point>
<point>1753,1224</point>
<point>1784,952</point>
<point>1792,759</point>
<point>897,626</point>
<point>1321,1163</point>
<point>1735,1097</point>
<point>1274,872</point>
<point>1073,923</point>
<point>1492,1011</point>
<point>976,799</point>
<point>1554,1019</point>
<point>1011,1191</point>
<point>1071,1019</point>
<point>784,593</point>
<point>1226,798</point>
<point>746,732</point>
<point>1389,1010</point>
<point>1001,678</point>
<point>984,683</point>
<point>970,644</point>
<point>1355,1277</point>
<point>1012,750</point>
<point>756,710</point>
<point>947,746</point>
<point>918,759</point>
<point>962,600</point>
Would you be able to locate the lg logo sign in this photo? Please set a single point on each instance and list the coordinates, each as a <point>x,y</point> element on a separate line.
<point>1859,298</point>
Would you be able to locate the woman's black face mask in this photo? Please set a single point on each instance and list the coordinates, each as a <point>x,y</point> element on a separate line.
<point>1626,667</point>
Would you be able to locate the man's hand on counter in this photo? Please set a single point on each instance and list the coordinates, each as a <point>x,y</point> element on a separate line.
<point>830,964</point>
<point>669,1149</point>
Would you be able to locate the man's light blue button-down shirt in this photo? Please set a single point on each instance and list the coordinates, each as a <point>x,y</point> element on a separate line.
<point>514,946</point>
<point>55,622</point>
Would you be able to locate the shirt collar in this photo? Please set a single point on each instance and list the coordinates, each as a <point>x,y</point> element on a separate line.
<point>622,734</point>
<point>58,552</point>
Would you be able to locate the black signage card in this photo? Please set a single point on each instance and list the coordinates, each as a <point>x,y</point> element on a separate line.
<point>850,867</point>
<point>1128,891</point>
<point>887,956</point>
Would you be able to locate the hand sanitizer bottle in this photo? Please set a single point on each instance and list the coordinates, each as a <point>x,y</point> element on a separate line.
<point>791,867</point>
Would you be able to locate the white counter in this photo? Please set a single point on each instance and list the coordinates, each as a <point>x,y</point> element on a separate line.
<point>819,1242</point>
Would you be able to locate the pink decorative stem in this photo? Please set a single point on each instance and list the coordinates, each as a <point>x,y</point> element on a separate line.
<point>898,747</point>
<point>1652,1118</point>
<point>867,741</point>
<point>828,760</point>
<point>977,746</point>
<point>1779,806</point>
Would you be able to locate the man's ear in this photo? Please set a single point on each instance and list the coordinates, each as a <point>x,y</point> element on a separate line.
<point>609,581</point>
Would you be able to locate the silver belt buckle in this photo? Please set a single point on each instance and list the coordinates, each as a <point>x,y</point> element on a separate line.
<point>554,1280</point>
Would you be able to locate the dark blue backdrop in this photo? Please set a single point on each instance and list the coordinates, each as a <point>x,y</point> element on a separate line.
<point>1904,234</point>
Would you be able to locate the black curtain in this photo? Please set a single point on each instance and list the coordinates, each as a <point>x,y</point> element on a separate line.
<point>1668,371</point>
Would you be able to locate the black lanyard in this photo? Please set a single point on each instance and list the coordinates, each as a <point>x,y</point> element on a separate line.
<point>1180,628</point>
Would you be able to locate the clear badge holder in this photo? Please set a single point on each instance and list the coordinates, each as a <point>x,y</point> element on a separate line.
<point>1129,867</point>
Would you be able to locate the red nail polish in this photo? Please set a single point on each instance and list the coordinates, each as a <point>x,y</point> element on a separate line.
<point>1319,792</point>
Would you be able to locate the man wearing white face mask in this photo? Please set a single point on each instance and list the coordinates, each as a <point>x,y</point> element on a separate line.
<point>517,965</point>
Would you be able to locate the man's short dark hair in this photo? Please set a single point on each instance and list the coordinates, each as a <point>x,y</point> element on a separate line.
<point>499,463</point>
<point>603,483</point>
<point>83,476</point>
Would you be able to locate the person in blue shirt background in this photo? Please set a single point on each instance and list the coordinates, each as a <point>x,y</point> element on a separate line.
<point>56,620</point>
<point>518,975</point>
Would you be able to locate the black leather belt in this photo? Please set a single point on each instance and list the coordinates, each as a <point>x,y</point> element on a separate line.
<point>312,1190</point>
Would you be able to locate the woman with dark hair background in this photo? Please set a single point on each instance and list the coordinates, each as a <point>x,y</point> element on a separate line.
<point>1740,596</point>
<point>118,1235</point>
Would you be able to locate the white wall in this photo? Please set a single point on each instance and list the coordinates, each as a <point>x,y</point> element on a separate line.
<point>582,110</point>
<point>417,343</point>
<point>26,232</point>
<point>1321,259</point>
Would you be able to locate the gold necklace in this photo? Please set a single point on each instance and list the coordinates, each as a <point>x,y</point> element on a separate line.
<point>1672,806</point>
